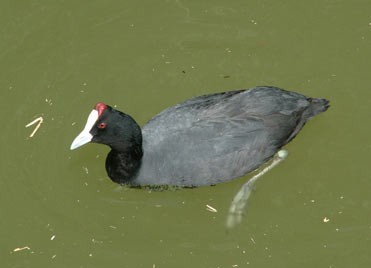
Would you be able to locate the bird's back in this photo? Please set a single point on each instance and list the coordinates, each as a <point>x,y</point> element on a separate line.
<point>218,137</point>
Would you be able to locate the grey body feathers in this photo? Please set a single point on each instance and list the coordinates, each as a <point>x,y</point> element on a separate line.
<point>218,137</point>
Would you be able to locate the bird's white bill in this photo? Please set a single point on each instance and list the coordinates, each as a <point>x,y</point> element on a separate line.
<point>85,136</point>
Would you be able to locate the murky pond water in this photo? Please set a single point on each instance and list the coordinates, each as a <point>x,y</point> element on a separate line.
<point>57,59</point>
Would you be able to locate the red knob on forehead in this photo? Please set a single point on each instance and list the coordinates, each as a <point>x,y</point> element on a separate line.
<point>100,106</point>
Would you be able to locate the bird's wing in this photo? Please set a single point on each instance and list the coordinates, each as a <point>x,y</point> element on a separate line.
<point>219,136</point>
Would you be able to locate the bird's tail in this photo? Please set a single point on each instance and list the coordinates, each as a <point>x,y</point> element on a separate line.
<point>316,106</point>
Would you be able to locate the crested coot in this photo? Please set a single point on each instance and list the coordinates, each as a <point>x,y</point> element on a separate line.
<point>202,141</point>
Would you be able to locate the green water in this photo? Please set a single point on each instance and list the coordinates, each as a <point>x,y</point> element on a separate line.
<point>58,58</point>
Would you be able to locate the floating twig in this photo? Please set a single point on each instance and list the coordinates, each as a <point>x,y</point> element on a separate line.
<point>40,120</point>
<point>210,208</point>
<point>19,249</point>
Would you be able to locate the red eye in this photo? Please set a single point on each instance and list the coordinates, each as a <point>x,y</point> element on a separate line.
<point>102,125</point>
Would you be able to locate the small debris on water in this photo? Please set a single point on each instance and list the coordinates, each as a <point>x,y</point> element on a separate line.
<point>40,120</point>
<point>48,101</point>
<point>20,249</point>
<point>96,241</point>
<point>52,238</point>
<point>86,170</point>
<point>325,219</point>
<point>210,208</point>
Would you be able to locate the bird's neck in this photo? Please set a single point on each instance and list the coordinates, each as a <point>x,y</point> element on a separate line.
<point>123,166</point>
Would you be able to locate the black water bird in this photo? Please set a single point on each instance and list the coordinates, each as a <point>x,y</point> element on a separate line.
<point>202,141</point>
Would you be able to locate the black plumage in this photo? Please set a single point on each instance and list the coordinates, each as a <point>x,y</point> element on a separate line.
<point>205,140</point>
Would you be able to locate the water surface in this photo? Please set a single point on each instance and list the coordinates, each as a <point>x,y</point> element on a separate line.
<point>57,59</point>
